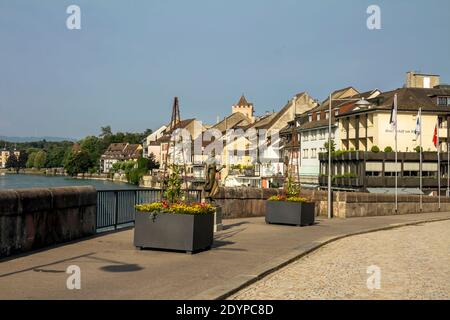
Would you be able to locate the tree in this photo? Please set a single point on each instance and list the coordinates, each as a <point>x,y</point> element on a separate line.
<point>106,131</point>
<point>173,191</point>
<point>78,162</point>
<point>30,161</point>
<point>11,162</point>
<point>333,146</point>
<point>40,159</point>
<point>94,147</point>
<point>152,163</point>
<point>22,161</point>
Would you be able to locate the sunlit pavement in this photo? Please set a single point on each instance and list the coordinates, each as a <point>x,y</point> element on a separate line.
<point>111,268</point>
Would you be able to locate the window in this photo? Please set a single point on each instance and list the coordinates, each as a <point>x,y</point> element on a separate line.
<point>305,136</point>
<point>327,115</point>
<point>309,117</point>
<point>318,116</point>
<point>336,112</point>
<point>373,174</point>
<point>314,153</point>
<point>313,135</point>
<point>305,153</point>
<point>322,134</point>
<point>443,101</point>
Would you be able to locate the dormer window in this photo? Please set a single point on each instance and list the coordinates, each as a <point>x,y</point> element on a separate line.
<point>443,101</point>
<point>318,116</point>
<point>310,117</point>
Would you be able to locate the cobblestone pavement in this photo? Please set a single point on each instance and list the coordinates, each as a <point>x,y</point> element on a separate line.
<point>414,262</point>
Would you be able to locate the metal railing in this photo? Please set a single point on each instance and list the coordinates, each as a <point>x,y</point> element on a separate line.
<point>115,208</point>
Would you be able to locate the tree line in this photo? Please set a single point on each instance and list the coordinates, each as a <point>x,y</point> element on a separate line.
<point>80,157</point>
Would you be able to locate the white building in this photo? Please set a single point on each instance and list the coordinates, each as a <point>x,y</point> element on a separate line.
<point>151,145</point>
<point>313,130</point>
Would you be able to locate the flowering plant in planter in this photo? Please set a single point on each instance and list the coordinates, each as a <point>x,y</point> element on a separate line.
<point>287,198</point>
<point>177,208</point>
<point>174,201</point>
<point>290,208</point>
<point>292,193</point>
<point>173,223</point>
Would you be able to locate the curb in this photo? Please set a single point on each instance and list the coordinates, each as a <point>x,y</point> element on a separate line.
<point>240,282</point>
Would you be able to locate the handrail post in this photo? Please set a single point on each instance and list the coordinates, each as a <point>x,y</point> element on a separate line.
<point>116,213</point>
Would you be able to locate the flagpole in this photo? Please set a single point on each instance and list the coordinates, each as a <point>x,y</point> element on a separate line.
<point>420,161</point>
<point>396,169</point>
<point>439,163</point>
<point>448,166</point>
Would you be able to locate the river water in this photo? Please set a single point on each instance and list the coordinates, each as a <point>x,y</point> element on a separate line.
<point>23,181</point>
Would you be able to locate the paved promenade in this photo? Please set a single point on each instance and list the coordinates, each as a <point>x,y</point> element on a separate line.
<point>111,268</point>
<point>414,263</point>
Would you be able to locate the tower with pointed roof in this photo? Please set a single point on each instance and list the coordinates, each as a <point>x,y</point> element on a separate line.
<point>244,107</point>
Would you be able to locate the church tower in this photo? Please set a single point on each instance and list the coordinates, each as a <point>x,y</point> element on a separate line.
<point>244,107</point>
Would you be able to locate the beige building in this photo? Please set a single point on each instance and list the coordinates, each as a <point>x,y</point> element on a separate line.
<point>245,108</point>
<point>363,127</point>
<point>265,163</point>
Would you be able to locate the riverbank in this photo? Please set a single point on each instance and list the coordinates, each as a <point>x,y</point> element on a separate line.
<point>24,181</point>
<point>116,177</point>
<point>51,172</point>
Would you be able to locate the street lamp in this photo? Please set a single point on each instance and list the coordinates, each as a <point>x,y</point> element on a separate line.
<point>361,102</point>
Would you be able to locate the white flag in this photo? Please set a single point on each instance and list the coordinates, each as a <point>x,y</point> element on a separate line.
<point>418,129</point>
<point>393,120</point>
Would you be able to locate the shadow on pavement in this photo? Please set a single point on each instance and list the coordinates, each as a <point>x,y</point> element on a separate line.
<point>122,268</point>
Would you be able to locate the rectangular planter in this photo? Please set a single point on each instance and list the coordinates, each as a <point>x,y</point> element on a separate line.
<point>292,213</point>
<point>169,231</point>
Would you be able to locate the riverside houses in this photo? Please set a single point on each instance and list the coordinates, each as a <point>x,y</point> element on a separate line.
<point>119,152</point>
<point>265,166</point>
<point>312,127</point>
<point>367,128</point>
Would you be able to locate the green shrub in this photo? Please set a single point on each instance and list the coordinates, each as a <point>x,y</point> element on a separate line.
<point>134,176</point>
<point>388,149</point>
<point>417,149</point>
<point>375,149</point>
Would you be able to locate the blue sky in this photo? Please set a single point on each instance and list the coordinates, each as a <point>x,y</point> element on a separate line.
<point>131,58</point>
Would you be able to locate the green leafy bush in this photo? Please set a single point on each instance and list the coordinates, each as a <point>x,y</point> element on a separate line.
<point>388,149</point>
<point>375,149</point>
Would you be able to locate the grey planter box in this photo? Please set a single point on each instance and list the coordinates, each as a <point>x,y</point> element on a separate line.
<point>182,232</point>
<point>292,213</point>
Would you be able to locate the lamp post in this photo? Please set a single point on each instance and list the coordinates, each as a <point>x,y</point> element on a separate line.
<point>360,101</point>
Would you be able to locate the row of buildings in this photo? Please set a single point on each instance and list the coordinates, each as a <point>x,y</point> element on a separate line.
<point>231,145</point>
<point>360,125</point>
<point>294,139</point>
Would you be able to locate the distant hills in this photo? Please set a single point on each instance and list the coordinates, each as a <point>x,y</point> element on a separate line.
<point>34,139</point>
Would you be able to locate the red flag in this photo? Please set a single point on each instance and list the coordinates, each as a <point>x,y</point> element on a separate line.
<point>435,137</point>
